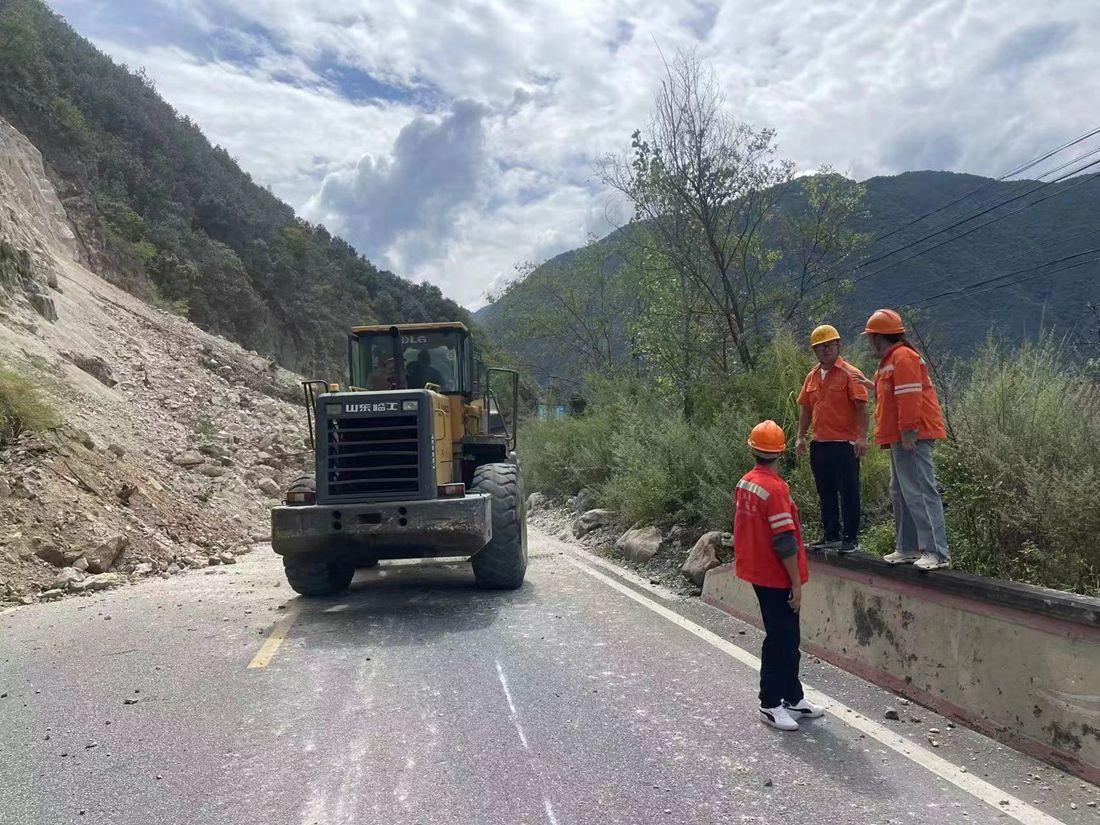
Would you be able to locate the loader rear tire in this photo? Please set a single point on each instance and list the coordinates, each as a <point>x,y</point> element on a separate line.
<point>315,577</point>
<point>502,563</point>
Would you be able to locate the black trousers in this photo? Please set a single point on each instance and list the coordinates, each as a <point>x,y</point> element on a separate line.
<point>836,474</point>
<point>779,655</point>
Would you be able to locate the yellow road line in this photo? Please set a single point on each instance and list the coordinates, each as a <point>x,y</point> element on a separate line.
<point>274,639</point>
<point>978,788</point>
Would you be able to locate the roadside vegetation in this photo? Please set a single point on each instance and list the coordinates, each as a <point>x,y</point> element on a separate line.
<point>24,406</point>
<point>1020,473</point>
<point>691,326</point>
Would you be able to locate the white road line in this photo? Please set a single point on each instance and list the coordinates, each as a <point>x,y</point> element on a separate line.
<point>512,706</point>
<point>993,796</point>
<point>550,812</point>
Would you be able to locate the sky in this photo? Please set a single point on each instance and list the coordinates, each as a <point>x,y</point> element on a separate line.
<point>452,141</point>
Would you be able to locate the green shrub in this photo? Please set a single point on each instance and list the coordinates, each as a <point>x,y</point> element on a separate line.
<point>1022,478</point>
<point>23,406</point>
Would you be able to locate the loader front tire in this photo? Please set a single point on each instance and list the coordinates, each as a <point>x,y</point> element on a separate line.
<point>316,577</point>
<point>502,563</point>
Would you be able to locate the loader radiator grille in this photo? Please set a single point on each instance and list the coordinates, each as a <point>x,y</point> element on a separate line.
<point>373,455</point>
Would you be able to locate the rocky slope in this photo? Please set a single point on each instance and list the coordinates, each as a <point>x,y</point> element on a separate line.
<point>172,443</point>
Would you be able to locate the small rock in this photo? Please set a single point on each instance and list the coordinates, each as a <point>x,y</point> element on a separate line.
<point>212,470</point>
<point>227,558</point>
<point>5,488</point>
<point>144,569</point>
<point>536,501</point>
<point>767,783</point>
<point>67,577</point>
<point>116,450</point>
<point>892,714</point>
<point>190,458</point>
<point>102,581</point>
<point>81,564</point>
<point>130,701</point>
<point>933,730</point>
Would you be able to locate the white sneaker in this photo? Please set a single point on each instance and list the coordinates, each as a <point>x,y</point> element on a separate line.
<point>930,561</point>
<point>778,717</point>
<point>902,557</point>
<point>805,709</point>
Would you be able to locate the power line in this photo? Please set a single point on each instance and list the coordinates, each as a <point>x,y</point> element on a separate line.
<point>966,293</point>
<point>1022,168</point>
<point>1013,256</point>
<point>992,220</point>
<point>989,209</point>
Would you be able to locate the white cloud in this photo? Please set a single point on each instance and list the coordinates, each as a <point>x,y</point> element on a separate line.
<point>868,87</point>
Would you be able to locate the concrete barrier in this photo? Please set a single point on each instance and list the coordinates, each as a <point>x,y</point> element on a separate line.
<point>1019,663</point>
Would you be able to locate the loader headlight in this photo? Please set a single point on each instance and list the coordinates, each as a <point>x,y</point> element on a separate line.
<point>410,406</point>
<point>301,497</point>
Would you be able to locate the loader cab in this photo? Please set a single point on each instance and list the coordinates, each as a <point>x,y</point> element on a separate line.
<point>411,356</point>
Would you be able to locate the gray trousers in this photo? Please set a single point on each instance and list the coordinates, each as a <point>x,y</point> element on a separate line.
<point>918,510</point>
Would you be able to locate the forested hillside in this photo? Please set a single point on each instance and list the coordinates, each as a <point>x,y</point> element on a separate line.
<point>1064,224</point>
<point>175,220</point>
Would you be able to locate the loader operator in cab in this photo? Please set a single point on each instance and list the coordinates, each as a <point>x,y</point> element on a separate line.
<point>385,376</point>
<point>421,371</point>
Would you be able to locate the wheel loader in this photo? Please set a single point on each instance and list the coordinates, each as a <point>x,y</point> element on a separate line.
<point>415,458</point>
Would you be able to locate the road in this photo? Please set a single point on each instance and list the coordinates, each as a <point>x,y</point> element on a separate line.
<point>587,696</point>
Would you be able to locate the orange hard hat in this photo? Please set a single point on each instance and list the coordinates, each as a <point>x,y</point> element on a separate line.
<point>884,322</point>
<point>768,437</point>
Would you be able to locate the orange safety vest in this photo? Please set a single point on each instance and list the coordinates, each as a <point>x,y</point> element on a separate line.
<point>833,402</point>
<point>905,398</point>
<point>762,509</point>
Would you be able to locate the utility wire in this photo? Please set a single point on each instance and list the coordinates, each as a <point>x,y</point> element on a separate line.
<point>1084,180</point>
<point>969,292</point>
<point>986,210</point>
<point>1013,256</point>
<point>1022,168</point>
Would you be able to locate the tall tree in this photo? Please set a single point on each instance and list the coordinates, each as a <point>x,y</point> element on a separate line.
<point>706,188</point>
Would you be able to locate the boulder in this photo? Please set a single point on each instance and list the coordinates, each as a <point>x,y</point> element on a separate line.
<point>116,450</point>
<point>592,520</point>
<point>535,501</point>
<point>144,569</point>
<point>81,564</point>
<point>103,556</point>
<point>269,487</point>
<point>44,306</point>
<point>705,555</point>
<point>95,366</point>
<point>585,500</point>
<point>214,450</point>
<point>190,458</point>
<point>52,554</point>
<point>640,544</point>
<point>212,470</point>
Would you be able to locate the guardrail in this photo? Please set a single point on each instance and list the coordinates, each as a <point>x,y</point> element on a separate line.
<point>1017,662</point>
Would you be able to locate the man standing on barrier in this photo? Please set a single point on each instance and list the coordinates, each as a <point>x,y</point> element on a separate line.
<point>833,404</point>
<point>768,553</point>
<point>908,419</point>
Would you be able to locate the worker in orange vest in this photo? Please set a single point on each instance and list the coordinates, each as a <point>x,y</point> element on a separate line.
<point>768,553</point>
<point>907,421</point>
<point>833,402</point>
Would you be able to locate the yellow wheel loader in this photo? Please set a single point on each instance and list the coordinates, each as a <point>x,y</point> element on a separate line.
<point>416,458</point>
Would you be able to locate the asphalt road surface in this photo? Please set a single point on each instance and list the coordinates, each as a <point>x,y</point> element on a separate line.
<point>587,696</point>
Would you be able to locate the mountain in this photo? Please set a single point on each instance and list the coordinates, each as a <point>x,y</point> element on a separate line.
<point>161,212</point>
<point>1064,224</point>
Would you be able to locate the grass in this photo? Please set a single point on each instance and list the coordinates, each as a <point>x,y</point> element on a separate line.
<point>24,405</point>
